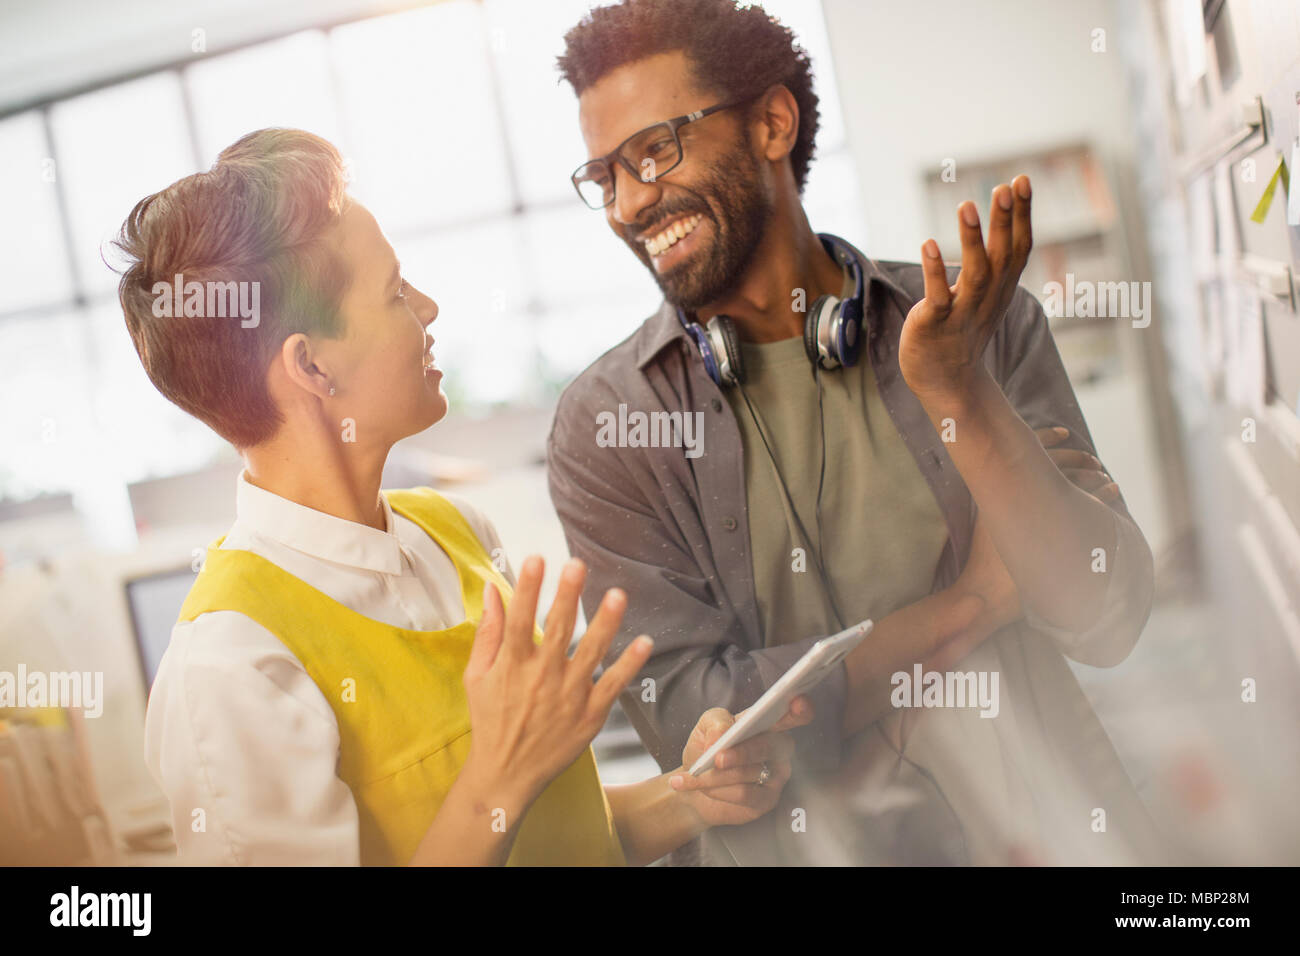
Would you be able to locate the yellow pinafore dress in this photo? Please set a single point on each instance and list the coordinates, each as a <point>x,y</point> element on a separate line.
<point>398,697</point>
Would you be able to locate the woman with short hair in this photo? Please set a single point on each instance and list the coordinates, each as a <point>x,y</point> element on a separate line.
<point>353,679</point>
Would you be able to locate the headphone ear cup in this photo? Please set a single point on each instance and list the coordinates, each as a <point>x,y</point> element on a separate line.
<point>823,305</point>
<point>850,333</point>
<point>701,339</point>
<point>726,343</point>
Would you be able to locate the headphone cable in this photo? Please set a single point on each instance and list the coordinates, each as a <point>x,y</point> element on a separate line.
<point>815,553</point>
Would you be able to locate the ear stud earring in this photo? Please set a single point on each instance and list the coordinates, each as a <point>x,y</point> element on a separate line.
<point>333,389</point>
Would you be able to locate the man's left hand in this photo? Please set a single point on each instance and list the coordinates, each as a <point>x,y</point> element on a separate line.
<point>942,344</point>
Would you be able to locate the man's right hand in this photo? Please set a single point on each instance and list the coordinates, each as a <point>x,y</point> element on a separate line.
<point>1080,467</point>
<point>986,577</point>
<point>533,709</point>
<point>942,628</point>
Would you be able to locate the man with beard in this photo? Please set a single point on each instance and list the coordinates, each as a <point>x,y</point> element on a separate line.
<point>868,451</point>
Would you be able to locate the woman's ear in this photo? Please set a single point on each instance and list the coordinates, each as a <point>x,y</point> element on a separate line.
<point>302,367</point>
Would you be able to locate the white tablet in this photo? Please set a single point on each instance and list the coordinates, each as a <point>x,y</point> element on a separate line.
<point>806,673</point>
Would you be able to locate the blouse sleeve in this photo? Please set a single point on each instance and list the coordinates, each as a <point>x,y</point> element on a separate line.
<point>245,747</point>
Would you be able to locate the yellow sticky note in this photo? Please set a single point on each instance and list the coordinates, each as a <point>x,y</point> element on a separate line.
<point>1266,200</point>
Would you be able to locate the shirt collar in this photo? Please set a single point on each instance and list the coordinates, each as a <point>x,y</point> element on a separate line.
<point>317,534</point>
<point>663,328</point>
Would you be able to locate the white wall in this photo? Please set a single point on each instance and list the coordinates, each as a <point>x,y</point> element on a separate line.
<point>103,40</point>
<point>947,78</point>
<point>922,82</point>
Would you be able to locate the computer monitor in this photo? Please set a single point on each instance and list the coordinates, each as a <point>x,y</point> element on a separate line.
<point>155,602</point>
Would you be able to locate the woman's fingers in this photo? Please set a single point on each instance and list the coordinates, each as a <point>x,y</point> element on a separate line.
<point>564,609</point>
<point>747,793</point>
<point>713,780</point>
<point>488,636</point>
<point>521,616</point>
<point>621,673</point>
<point>600,633</point>
<point>768,746</point>
<point>713,723</point>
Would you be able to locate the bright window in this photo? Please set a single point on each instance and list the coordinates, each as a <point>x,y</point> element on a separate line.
<point>460,138</point>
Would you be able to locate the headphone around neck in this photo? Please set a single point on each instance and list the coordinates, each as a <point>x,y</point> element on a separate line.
<point>832,334</point>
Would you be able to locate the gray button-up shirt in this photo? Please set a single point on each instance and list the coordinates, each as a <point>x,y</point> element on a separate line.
<point>671,529</point>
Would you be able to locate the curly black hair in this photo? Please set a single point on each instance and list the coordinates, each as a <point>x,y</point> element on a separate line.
<point>735,51</point>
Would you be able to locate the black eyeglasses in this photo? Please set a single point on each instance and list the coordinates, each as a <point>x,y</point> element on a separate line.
<point>646,154</point>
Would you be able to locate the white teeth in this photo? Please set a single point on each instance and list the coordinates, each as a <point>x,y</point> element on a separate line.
<point>659,244</point>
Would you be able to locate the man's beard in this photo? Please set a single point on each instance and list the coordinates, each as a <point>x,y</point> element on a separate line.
<point>730,195</point>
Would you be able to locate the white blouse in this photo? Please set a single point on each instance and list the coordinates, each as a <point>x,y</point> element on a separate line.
<point>237,734</point>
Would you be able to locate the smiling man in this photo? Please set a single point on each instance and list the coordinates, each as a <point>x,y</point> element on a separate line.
<point>873,446</point>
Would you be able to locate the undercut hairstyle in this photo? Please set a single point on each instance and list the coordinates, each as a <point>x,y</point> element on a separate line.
<point>734,51</point>
<point>260,215</point>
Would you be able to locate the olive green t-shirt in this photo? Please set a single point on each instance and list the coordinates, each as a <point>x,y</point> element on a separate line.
<point>881,530</point>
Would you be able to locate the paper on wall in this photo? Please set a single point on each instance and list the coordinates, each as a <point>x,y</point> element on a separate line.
<point>1225,209</point>
<point>1187,45</point>
<point>1293,195</point>
<point>1212,343</point>
<point>1293,192</point>
<point>1246,372</point>
<point>1200,216</point>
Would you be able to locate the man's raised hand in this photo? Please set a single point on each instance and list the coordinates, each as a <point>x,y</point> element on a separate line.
<point>942,343</point>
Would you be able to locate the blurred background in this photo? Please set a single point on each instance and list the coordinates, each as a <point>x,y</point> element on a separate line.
<point>1158,135</point>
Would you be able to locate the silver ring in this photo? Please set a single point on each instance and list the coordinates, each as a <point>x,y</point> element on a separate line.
<point>764,775</point>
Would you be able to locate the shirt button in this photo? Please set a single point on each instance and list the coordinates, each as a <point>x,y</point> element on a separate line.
<point>717,404</point>
<point>729,523</point>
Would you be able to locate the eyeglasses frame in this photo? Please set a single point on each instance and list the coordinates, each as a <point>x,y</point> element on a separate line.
<point>674,125</point>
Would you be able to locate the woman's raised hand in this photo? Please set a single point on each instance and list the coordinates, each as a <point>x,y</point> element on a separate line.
<point>533,709</point>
